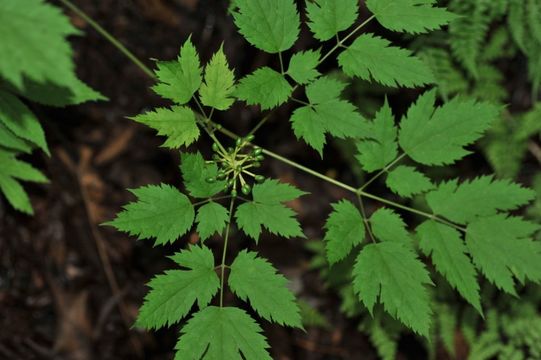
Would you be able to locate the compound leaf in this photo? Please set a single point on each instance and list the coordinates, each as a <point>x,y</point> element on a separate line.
<point>174,293</point>
<point>392,272</point>
<point>345,229</point>
<point>180,79</point>
<point>387,225</point>
<point>437,136</point>
<point>211,218</point>
<point>254,279</point>
<point>15,194</point>
<point>264,87</point>
<point>217,90</point>
<point>160,212</point>
<point>329,17</point>
<point>11,141</point>
<point>501,248</point>
<point>327,113</point>
<point>449,255</point>
<point>411,16</point>
<point>267,210</point>
<point>381,147</point>
<point>178,124</point>
<point>303,66</point>
<point>195,172</point>
<point>222,333</point>
<point>482,196</point>
<point>18,118</point>
<point>407,181</point>
<point>371,57</point>
<point>270,25</point>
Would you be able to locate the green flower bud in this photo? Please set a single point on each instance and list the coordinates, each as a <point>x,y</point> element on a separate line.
<point>211,180</point>
<point>246,189</point>
<point>259,178</point>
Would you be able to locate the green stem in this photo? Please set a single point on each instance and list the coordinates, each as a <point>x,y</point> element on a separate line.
<point>383,171</point>
<point>365,219</point>
<point>281,63</point>
<point>109,37</point>
<point>224,252</point>
<point>341,42</point>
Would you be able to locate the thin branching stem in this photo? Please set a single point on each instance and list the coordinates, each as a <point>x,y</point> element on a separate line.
<point>383,171</point>
<point>224,252</point>
<point>365,218</point>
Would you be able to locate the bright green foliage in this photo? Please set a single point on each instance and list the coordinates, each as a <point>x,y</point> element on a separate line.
<point>178,124</point>
<point>411,16</point>
<point>265,87</point>
<point>449,255</point>
<point>345,229</point>
<point>303,66</point>
<point>195,172</point>
<point>180,79</point>
<point>217,90</point>
<point>222,333</point>
<point>32,30</point>
<point>407,181</point>
<point>380,148</point>
<point>329,17</point>
<point>161,212</point>
<point>9,140</point>
<point>391,271</point>
<point>479,197</point>
<point>269,25</point>
<point>173,294</point>
<point>11,172</point>
<point>327,113</point>
<point>373,58</point>
<point>211,218</point>
<point>437,136</point>
<point>16,117</point>
<point>387,225</point>
<point>501,249</point>
<point>267,210</point>
<point>255,279</point>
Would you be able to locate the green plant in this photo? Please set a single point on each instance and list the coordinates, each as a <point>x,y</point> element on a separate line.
<point>466,229</point>
<point>37,66</point>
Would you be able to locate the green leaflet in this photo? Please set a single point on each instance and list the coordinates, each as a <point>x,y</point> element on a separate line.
<point>391,271</point>
<point>173,294</point>
<point>479,197</point>
<point>11,141</point>
<point>303,66</point>
<point>449,255</point>
<point>180,79</point>
<point>372,58</point>
<point>25,27</point>
<point>327,113</point>
<point>407,181</point>
<point>217,90</point>
<point>222,333</point>
<point>501,249</point>
<point>437,136</point>
<point>380,148</point>
<point>160,212</point>
<point>387,225</point>
<point>267,210</point>
<point>270,25</point>
<point>12,171</point>
<point>329,17</point>
<point>256,280</point>
<point>178,124</point>
<point>211,218</point>
<point>345,229</point>
<point>411,16</point>
<point>195,172</point>
<point>16,117</point>
<point>265,87</point>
